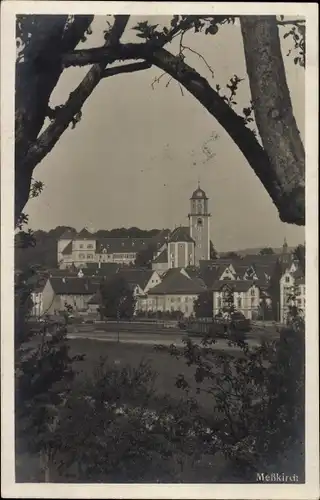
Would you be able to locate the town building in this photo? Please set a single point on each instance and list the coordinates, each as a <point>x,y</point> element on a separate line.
<point>292,292</point>
<point>182,247</point>
<point>243,295</point>
<point>84,248</point>
<point>62,292</point>
<point>176,292</point>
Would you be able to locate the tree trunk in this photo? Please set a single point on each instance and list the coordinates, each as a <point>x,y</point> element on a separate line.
<point>37,74</point>
<point>273,112</point>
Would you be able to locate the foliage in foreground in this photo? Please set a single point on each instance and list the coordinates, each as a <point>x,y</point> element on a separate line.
<point>260,394</point>
<point>113,427</point>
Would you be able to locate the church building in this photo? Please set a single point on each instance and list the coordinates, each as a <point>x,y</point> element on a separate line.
<point>182,247</point>
<point>187,246</point>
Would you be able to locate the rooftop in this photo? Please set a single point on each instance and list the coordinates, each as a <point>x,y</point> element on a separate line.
<point>181,234</point>
<point>235,285</point>
<point>199,194</point>
<point>139,277</point>
<point>176,283</point>
<point>73,286</point>
<point>122,245</point>
<point>162,258</point>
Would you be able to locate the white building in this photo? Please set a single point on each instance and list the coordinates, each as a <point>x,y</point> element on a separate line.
<point>184,246</point>
<point>292,292</point>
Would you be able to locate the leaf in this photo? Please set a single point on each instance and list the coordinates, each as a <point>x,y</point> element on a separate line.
<point>142,35</point>
<point>174,21</point>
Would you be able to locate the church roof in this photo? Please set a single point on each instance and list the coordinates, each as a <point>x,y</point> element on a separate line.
<point>161,238</point>
<point>162,258</point>
<point>181,234</point>
<point>199,194</point>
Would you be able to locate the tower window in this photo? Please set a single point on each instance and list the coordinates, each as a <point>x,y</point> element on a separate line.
<point>199,222</point>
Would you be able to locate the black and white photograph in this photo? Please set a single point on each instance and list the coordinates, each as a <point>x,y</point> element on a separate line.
<point>159,259</point>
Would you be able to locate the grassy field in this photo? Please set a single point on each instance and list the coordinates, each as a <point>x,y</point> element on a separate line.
<point>120,354</point>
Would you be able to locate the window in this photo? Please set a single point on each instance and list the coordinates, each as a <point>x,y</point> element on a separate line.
<point>90,245</point>
<point>239,302</point>
<point>199,222</point>
<point>80,246</point>
<point>89,256</point>
<point>287,280</point>
<point>82,256</point>
<point>219,302</point>
<point>252,291</point>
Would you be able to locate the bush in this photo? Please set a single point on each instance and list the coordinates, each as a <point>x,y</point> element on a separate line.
<point>260,395</point>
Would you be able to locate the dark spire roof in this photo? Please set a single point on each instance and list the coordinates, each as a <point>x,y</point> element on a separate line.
<point>199,194</point>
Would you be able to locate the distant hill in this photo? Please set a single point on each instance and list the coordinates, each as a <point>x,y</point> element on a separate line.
<point>256,250</point>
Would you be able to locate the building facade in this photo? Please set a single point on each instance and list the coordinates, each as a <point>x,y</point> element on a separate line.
<point>182,247</point>
<point>292,292</point>
<point>199,225</point>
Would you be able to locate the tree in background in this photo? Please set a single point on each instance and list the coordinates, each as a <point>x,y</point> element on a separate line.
<point>231,255</point>
<point>266,251</point>
<point>300,254</point>
<point>145,256</point>
<point>48,44</point>
<point>43,250</point>
<point>274,288</point>
<point>213,252</point>
<point>117,298</point>
<point>203,305</point>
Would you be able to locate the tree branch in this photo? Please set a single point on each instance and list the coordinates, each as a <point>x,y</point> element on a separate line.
<point>37,74</point>
<point>127,68</point>
<point>64,116</point>
<point>296,22</point>
<point>273,112</point>
<point>279,183</point>
<point>274,182</point>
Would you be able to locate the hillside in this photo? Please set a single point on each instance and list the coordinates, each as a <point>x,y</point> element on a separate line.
<point>256,250</point>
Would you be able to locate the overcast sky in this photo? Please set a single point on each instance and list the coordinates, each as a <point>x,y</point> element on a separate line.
<point>136,156</point>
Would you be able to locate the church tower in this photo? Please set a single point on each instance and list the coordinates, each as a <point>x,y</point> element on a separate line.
<point>199,224</point>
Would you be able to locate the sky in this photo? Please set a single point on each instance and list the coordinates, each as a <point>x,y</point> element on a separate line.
<point>136,156</point>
